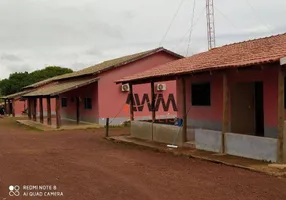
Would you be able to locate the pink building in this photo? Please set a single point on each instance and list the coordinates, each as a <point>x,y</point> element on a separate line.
<point>14,104</point>
<point>90,95</point>
<point>231,98</point>
<point>17,106</point>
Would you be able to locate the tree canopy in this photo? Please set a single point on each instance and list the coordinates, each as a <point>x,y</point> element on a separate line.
<point>18,80</point>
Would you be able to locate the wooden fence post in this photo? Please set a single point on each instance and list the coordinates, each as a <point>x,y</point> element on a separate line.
<point>107,128</point>
<point>131,102</point>
<point>49,111</point>
<point>281,157</point>
<point>58,113</point>
<point>225,116</point>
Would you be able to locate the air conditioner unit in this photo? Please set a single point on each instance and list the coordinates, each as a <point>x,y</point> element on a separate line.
<point>161,87</point>
<point>125,88</point>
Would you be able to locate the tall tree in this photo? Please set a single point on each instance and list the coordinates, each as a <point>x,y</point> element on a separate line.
<point>18,80</point>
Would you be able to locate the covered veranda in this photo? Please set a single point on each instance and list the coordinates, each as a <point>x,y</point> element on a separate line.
<point>277,152</point>
<point>10,101</point>
<point>242,109</point>
<point>54,92</point>
<point>178,135</point>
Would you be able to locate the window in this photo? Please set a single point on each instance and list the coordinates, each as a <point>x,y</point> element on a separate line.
<point>64,102</point>
<point>87,103</point>
<point>201,94</point>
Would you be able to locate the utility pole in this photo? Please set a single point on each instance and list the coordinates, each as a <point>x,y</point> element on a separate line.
<point>210,23</point>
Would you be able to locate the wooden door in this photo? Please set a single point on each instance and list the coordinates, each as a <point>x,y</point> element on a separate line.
<point>243,108</point>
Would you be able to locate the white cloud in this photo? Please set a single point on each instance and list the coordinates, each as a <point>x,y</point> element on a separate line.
<point>77,33</point>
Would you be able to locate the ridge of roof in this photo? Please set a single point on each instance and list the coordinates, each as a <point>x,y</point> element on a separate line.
<point>116,62</point>
<point>40,83</point>
<point>43,82</point>
<point>250,40</point>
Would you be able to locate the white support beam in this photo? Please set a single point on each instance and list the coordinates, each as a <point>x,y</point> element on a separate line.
<point>283,61</point>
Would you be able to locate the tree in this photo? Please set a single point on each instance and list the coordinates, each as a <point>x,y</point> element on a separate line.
<point>18,80</point>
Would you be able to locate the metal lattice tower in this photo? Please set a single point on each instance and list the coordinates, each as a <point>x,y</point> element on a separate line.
<point>210,23</point>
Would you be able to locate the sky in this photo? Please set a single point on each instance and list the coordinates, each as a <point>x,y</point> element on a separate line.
<point>80,33</point>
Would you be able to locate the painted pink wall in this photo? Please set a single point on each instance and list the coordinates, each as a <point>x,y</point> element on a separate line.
<point>45,107</point>
<point>89,91</point>
<point>108,99</point>
<point>269,77</point>
<point>19,107</point>
<point>111,99</point>
<point>213,113</point>
<point>53,101</point>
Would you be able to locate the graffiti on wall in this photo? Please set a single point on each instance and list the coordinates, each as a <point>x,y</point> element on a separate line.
<point>159,101</point>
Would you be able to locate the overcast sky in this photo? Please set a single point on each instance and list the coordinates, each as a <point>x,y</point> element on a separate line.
<point>80,33</point>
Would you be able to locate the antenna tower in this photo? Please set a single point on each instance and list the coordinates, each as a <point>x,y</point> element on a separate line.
<point>210,23</point>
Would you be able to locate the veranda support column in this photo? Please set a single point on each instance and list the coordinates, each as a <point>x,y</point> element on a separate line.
<point>35,109</point>
<point>9,107</point>
<point>58,113</point>
<point>13,107</point>
<point>29,109</point>
<point>184,109</point>
<point>49,111</point>
<point>5,106</point>
<point>281,148</point>
<point>77,110</point>
<point>225,112</point>
<point>153,101</point>
<point>41,111</point>
<point>131,102</point>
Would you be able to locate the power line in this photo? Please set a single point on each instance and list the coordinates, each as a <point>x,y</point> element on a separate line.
<point>224,16</point>
<point>172,21</point>
<point>258,16</point>
<point>188,31</point>
<point>192,24</point>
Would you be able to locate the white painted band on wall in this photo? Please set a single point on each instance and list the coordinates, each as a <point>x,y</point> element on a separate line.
<point>248,146</point>
<point>259,148</point>
<point>208,140</point>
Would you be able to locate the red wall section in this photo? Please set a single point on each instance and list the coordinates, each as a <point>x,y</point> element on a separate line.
<point>213,113</point>
<point>89,91</point>
<point>269,76</point>
<point>45,108</point>
<point>112,100</point>
<point>19,107</point>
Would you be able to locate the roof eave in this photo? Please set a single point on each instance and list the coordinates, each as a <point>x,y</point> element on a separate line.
<point>173,76</point>
<point>54,94</point>
<point>283,61</point>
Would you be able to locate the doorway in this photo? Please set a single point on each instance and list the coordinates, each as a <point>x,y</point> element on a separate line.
<point>247,113</point>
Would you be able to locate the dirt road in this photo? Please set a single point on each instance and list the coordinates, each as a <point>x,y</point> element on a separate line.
<point>84,166</point>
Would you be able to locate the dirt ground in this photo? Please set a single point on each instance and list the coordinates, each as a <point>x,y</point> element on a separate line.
<point>85,166</point>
